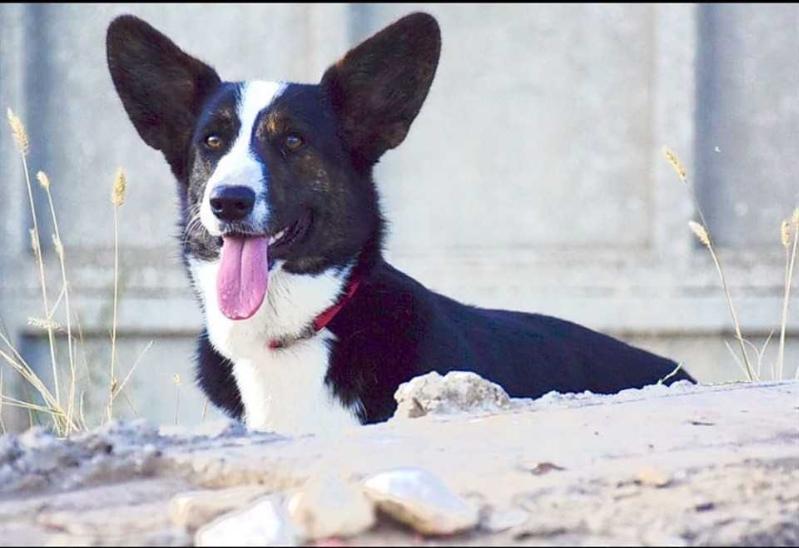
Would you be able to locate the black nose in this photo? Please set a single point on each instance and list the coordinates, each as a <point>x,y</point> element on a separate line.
<point>232,203</point>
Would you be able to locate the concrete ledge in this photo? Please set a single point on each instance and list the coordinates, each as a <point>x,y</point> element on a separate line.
<point>682,466</point>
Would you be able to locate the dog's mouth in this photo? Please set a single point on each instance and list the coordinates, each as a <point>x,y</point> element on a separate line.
<point>284,239</point>
<point>246,259</point>
<point>279,241</point>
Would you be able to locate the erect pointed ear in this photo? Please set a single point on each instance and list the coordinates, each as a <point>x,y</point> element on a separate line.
<point>379,86</point>
<point>161,87</point>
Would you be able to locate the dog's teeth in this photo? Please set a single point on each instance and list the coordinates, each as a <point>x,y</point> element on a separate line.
<point>277,236</point>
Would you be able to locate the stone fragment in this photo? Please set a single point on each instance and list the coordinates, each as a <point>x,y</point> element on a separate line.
<point>456,392</point>
<point>194,509</point>
<point>541,468</point>
<point>419,499</point>
<point>327,507</point>
<point>497,520</point>
<point>652,477</point>
<point>264,523</point>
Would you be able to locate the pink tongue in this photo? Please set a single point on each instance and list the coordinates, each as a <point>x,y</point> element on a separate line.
<point>242,279</point>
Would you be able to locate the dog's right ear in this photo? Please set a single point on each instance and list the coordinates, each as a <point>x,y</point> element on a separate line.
<point>161,87</point>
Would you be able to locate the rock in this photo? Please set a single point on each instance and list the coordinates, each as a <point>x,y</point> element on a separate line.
<point>652,477</point>
<point>9,449</point>
<point>194,509</point>
<point>132,522</point>
<point>418,498</point>
<point>37,459</point>
<point>540,468</point>
<point>264,523</point>
<point>457,392</point>
<point>328,507</point>
<point>37,438</point>
<point>498,520</point>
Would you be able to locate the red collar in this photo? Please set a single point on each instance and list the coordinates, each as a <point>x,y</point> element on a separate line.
<point>324,318</point>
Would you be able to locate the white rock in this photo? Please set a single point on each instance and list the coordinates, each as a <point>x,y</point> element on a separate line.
<point>457,392</point>
<point>194,509</point>
<point>418,498</point>
<point>498,520</point>
<point>265,523</point>
<point>328,507</point>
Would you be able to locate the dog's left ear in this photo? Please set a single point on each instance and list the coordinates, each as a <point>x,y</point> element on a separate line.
<point>379,86</point>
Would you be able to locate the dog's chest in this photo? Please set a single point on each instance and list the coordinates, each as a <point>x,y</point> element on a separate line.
<point>282,390</point>
<point>285,391</point>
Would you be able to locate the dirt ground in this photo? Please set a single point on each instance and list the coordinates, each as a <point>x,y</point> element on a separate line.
<point>683,465</point>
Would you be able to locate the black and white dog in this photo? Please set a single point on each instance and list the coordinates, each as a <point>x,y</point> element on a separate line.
<point>308,329</point>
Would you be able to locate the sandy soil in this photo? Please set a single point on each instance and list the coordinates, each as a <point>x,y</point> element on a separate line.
<point>683,465</point>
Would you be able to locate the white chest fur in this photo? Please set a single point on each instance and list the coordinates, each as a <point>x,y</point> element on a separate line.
<point>283,390</point>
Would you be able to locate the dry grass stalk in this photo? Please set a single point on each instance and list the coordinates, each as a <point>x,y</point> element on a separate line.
<point>701,232</point>
<point>44,181</point>
<point>120,387</point>
<point>760,354</point>
<point>51,406</point>
<point>789,232</point>
<point>23,145</point>
<point>3,428</point>
<point>735,357</point>
<point>704,236</point>
<point>671,374</point>
<point>68,416</point>
<point>176,380</point>
<point>117,199</point>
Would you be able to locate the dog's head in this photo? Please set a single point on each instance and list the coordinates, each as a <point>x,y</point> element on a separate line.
<point>273,171</point>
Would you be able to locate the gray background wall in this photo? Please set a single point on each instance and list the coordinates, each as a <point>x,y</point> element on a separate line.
<point>533,178</point>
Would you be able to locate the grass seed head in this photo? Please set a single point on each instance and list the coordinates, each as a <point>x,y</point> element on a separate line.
<point>120,186</point>
<point>44,324</point>
<point>785,233</point>
<point>34,242</point>
<point>59,247</point>
<point>18,130</point>
<point>43,179</point>
<point>676,164</point>
<point>700,232</point>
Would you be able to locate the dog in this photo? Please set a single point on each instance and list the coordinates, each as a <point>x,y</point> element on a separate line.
<point>307,328</point>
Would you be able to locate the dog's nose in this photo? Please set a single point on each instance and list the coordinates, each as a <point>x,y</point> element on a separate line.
<point>232,203</point>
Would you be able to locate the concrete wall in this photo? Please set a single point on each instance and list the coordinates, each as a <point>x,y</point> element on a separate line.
<point>539,152</point>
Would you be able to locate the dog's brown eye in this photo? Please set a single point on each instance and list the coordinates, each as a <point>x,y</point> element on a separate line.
<point>293,142</point>
<point>214,142</point>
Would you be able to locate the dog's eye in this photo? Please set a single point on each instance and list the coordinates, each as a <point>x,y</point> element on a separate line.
<point>293,142</point>
<point>213,142</point>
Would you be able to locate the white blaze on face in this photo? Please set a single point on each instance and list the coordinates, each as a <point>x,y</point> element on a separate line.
<point>240,166</point>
